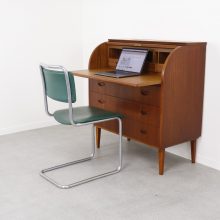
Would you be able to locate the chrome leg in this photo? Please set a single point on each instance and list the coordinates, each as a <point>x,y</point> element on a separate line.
<point>93,141</point>
<point>120,144</point>
<point>42,173</point>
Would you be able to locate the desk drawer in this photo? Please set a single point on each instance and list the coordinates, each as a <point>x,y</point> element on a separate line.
<point>145,133</point>
<point>136,130</point>
<point>146,95</point>
<point>141,131</point>
<point>132,110</point>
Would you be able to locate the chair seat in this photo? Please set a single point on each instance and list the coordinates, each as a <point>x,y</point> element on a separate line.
<point>83,114</point>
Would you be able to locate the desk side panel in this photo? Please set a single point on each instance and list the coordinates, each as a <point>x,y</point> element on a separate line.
<point>182,95</point>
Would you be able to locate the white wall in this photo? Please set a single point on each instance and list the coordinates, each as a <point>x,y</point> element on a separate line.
<point>32,32</point>
<point>166,20</point>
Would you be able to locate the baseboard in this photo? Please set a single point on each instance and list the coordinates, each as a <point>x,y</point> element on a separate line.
<point>209,162</point>
<point>25,127</point>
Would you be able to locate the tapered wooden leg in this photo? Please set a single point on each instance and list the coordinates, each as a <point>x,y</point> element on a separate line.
<point>128,139</point>
<point>98,136</point>
<point>161,155</point>
<point>193,151</point>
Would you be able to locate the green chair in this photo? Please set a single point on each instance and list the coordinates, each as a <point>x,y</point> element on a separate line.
<point>59,85</point>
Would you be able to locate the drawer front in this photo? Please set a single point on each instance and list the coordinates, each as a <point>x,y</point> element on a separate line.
<point>145,133</point>
<point>149,115</point>
<point>132,110</point>
<point>147,95</point>
<point>142,132</point>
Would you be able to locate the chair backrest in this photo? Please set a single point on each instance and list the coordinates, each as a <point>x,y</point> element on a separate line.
<point>56,84</point>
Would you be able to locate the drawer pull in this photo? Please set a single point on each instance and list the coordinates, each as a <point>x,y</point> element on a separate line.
<point>101,101</point>
<point>101,83</point>
<point>144,92</point>
<point>143,131</point>
<point>144,112</point>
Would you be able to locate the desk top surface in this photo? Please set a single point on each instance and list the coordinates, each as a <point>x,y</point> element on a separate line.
<point>145,79</point>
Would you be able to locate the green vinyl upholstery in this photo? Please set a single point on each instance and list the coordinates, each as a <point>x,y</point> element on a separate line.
<point>84,114</point>
<point>55,84</point>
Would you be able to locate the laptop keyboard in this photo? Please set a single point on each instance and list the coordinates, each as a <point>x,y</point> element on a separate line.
<point>117,75</point>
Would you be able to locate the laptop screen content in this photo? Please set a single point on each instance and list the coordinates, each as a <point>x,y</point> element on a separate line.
<point>131,60</point>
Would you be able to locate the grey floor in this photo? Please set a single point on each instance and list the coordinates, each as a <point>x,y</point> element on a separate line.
<point>186,191</point>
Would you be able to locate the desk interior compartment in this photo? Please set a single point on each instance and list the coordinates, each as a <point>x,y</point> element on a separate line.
<point>154,63</point>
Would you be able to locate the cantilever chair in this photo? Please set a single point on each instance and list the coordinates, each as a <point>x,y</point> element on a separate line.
<point>59,85</point>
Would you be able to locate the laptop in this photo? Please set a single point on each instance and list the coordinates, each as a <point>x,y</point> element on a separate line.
<point>130,63</point>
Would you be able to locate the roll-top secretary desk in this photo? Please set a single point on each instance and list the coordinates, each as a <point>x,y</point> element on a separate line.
<point>163,106</point>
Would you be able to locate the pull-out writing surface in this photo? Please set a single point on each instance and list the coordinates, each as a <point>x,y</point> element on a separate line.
<point>146,79</point>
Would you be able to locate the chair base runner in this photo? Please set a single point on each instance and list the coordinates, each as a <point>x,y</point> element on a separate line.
<point>42,173</point>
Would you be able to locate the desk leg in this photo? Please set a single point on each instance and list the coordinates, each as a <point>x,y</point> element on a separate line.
<point>193,151</point>
<point>98,136</point>
<point>161,155</point>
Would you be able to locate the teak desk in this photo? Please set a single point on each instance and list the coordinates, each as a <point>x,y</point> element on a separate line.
<point>162,107</point>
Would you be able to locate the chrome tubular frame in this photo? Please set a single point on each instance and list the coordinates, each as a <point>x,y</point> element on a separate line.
<point>118,168</point>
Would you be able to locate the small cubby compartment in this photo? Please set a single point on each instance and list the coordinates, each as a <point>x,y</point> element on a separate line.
<point>113,56</point>
<point>159,57</point>
<point>114,53</point>
<point>162,56</point>
<point>149,58</point>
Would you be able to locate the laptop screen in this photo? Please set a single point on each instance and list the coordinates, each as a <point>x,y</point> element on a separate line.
<point>131,60</point>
